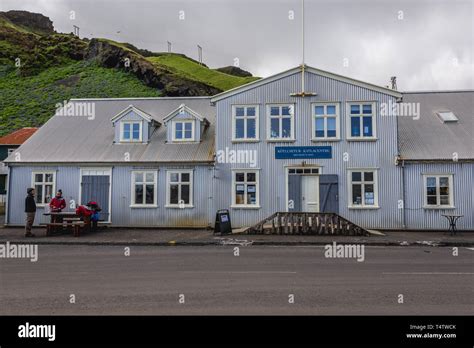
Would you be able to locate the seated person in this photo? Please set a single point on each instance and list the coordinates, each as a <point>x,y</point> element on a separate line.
<point>58,203</point>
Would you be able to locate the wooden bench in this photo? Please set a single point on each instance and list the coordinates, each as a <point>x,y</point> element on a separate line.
<point>75,225</point>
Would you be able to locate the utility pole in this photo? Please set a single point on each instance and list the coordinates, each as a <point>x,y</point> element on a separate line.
<point>199,54</point>
<point>76,30</point>
<point>169,47</point>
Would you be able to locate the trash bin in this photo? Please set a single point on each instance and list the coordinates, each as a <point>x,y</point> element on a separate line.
<point>223,225</point>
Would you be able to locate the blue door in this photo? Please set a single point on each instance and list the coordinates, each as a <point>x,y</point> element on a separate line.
<point>96,188</point>
<point>328,194</point>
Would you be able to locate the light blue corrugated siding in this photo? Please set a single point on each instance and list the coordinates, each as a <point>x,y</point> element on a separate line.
<point>379,154</point>
<point>463,179</point>
<point>68,179</point>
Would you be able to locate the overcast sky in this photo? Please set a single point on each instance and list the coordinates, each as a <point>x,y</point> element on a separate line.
<point>427,44</point>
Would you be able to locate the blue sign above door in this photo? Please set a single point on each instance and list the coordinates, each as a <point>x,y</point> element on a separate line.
<point>298,152</point>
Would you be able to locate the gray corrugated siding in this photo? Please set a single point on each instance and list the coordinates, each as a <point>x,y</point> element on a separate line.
<point>463,178</point>
<point>378,154</point>
<point>68,178</point>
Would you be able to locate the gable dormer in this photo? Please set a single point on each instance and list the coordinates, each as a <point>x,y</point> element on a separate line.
<point>133,126</point>
<point>184,125</point>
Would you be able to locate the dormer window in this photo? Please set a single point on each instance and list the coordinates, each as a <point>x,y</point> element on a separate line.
<point>183,130</point>
<point>131,131</point>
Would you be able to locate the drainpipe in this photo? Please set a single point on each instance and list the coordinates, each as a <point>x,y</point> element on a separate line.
<point>7,197</point>
<point>403,196</point>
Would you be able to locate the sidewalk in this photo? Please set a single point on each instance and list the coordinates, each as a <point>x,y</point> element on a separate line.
<point>158,237</point>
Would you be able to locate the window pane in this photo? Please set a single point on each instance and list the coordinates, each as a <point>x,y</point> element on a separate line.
<point>48,177</point>
<point>239,128</point>
<point>331,122</point>
<point>184,177</point>
<point>179,134</point>
<point>188,134</point>
<point>251,128</point>
<point>431,191</point>
<point>150,177</point>
<point>174,177</point>
<point>431,181</point>
<point>320,127</point>
<point>138,194</point>
<point>138,177</point>
<point>251,194</point>
<point>126,131</point>
<point>444,191</point>
<point>357,194</point>
<point>38,177</point>
<point>274,128</point>
<point>443,181</point>
<point>367,109</point>
<point>274,111</point>
<point>285,110</point>
<point>367,126</point>
<point>286,127</point>
<point>239,112</point>
<point>251,177</point>
<point>39,193</point>
<point>368,176</point>
<point>185,194</point>
<point>239,177</point>
<point>48,193</point>
<point>150,194</point>
<point>174,194</point>
<point>136,131</point>
<point>331,109</point>
<point>355,109</point>
<point>251,111</point>
<point>239,194</point>
<point>355,126</point>
<point>299,171</point>
<point>188,126</point>
<point>369,194</point>
<point>179,126</point>
<point>356,176</point>
<point>319,110</point>
<point>431,200</point>
<point>292,171</point>
<point>444,200</point>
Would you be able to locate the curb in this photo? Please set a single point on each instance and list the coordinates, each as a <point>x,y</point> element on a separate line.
<point>250,243</point>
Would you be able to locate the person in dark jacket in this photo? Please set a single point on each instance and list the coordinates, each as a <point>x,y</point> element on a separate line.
<point>30,210</point>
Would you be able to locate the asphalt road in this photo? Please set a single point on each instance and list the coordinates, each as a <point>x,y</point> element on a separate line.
<point>259,281</point>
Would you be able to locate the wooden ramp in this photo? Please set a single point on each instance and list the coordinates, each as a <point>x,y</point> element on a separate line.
<point>305,224</point>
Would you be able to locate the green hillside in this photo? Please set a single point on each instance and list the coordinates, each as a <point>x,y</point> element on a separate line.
<point>191,69</point>
<point>40,68</point>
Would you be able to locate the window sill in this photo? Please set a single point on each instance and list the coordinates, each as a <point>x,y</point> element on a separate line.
<point>236,141</point>
<point>242,206</point>
<point>174,141</point>
<point>438,207</point>
<point>362,139</point>
<point>370,207</point>
<point>322,140</point>
<point>139,206</point>
<point>177,206</point>
<point>281,140</point>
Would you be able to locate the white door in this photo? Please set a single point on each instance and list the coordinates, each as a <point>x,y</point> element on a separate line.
<point>310,193</point>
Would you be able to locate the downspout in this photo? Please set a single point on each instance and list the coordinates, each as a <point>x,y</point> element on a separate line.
<point>7,199</point>
<point>403,197</point>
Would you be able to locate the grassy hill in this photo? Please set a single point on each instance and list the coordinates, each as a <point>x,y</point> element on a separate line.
<point>40,68</point>
<point>191,69</point>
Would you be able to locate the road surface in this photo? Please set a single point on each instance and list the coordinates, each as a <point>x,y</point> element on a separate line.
<point>261,280</point>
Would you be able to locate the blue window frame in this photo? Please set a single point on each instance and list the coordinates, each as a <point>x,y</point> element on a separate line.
<point>131,131</point>
<point>362,120</point>
<point>183,130</point>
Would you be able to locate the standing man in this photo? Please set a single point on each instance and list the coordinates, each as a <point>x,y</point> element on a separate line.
<point>30,210</point>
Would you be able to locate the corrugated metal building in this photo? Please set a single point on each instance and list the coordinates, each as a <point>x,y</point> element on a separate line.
<point>324,142</point>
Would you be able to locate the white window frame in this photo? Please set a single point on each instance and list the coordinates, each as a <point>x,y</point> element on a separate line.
<point>325,117</point>
<point>173,130</point>
<point>269,125</point>
<point>361,115</point>
<point>43,183</point>
<point>191,188</point>
<point>245,118</point>
<point>131,140</point>
<point>362,183</point>
<point>257,188</point>
<point>144,183</point>
<point>438,195</point>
